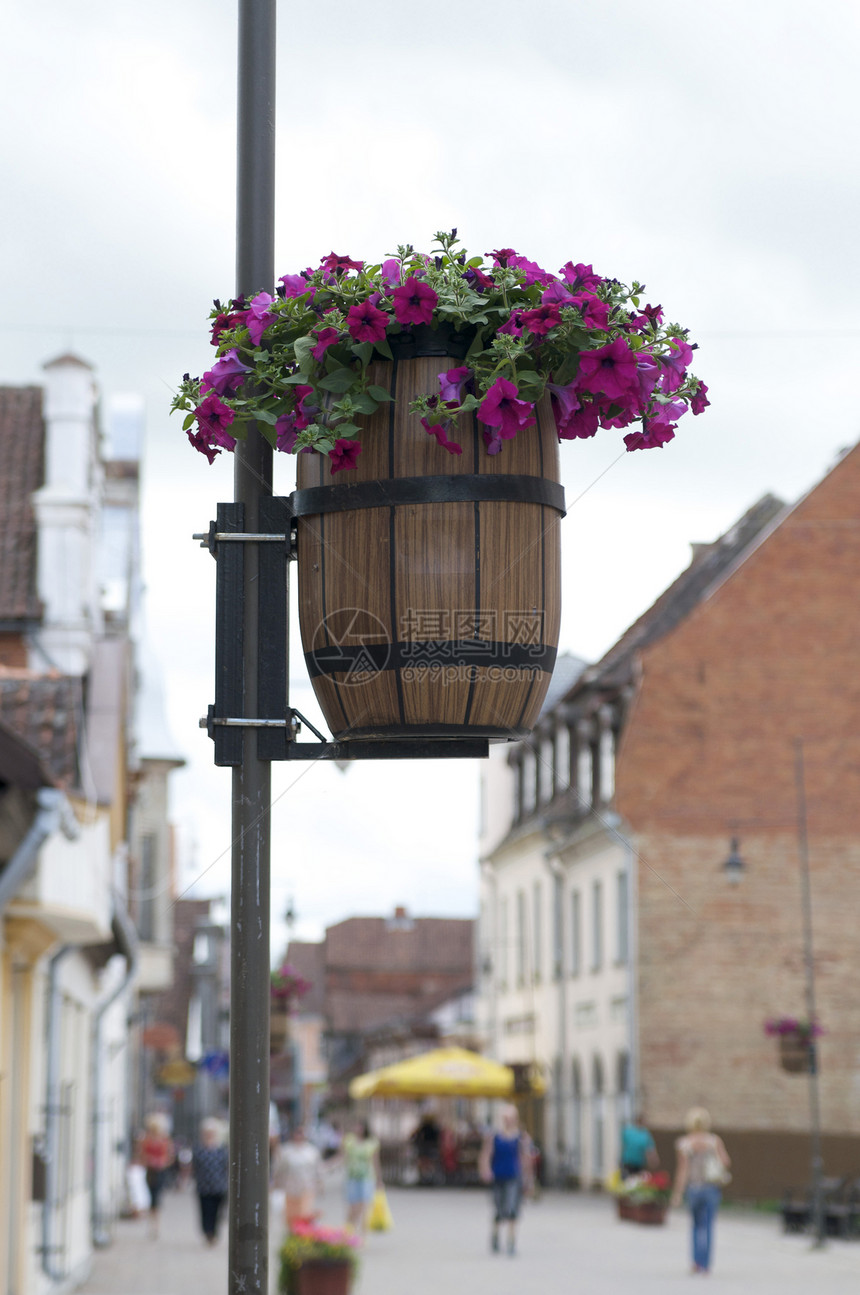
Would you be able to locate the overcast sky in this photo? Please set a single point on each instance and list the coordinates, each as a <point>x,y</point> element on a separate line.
<point>708,149</point>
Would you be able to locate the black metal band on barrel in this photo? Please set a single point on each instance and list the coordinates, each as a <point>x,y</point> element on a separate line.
<point>431,655</point>
<point>454,489</point>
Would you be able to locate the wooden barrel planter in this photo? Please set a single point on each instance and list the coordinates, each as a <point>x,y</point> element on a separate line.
<point>794,1053</point>
<point>321,1277</point>
<point>648,1212</point>
<point>429,583</point>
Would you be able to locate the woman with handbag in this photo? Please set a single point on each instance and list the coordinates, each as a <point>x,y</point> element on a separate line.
<point>702,1170</point>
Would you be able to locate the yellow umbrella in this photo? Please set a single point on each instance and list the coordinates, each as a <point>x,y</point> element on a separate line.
<point>445,1072</point>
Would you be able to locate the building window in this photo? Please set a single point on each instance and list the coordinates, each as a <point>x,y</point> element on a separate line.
<point>584,774</point>
<point>596,926</point>
<point>521,937</point>
<point>562,758</point>
<point>557,928</point>
<point>546,770</point>
<point>576,1116</point>
<point>502,952</point>
<point>146,905</point>
<point>537,923</point>
<point>622,917</point>
<point>575,934</point>
<point>529,781</point>
<point>607,764</point>
<point>598,1130</point>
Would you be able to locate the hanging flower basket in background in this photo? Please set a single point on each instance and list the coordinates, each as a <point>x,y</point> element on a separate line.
<point>426,396</point>
<point>794,1036</point>
<point>317,1260</point>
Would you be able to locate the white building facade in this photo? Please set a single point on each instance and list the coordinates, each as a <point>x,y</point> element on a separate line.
<point>556,942</point>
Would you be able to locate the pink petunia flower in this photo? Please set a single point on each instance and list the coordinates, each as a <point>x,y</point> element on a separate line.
<point>414,302</point>
<point>611,369</point>
<point>542,320</point>
<point>226,375</point>
<point>287,433</point>
<point>439,430</point>
<point>501,408</point>
<point>260,316</point>
<point>366,323</point>
<point>581,424</point>
<point>213,419</point>
<point>296,285</point>
<point>344,455</point>
<point>340,264</point>
<point>675,364</point>
<point>326,337</point>
<point>650,438</point>
<point>453,382</point>
<point>580,277</point>
<point>700,402</point>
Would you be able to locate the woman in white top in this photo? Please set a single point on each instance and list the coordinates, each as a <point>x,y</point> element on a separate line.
<point>298,1173</point>
<point>702,1168</point>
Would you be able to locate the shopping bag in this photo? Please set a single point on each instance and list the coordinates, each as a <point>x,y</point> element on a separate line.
<point>379,1216</point>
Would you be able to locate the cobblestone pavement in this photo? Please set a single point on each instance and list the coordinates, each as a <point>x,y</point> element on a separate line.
<point>568,1245</point>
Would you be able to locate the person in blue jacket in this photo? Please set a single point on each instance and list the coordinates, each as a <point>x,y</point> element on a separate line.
<point>505,1162</point>
<point>638,1151</point>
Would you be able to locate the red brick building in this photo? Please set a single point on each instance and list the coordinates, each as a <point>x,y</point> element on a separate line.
<point>616,951</point>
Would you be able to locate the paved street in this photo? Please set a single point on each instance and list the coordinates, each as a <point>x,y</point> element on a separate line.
<point>569,1245</point>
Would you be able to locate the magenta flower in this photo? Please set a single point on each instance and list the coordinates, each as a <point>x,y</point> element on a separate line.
<point>533,272</point>
<point>501,408</point>
<point>340,264</point>
<point>580,277</point>
<point>287,432</point>
<point>260,316</point>
<point>414,302</point>
<point>452,384</point>
<point>302,416</point>
<point>650,438</point>
<point>595,313</point>
<point>611,369</point>
<point>366,323</point>
<point>558,293</point>
<point>326,337</point>
<point>440,430</point>
<point>344,455</point>
<point>391,272</point>
<point>565,401</point>
<point>213,419</point>
<point>699,402</point>
<point>648,370</point>
<point>675,364</point>
<point>476,279</point>
<point>296,285</point>
<point>492,440</point>
<point>502,255</point>
<point>225,322</point>
<point>226,374</point>
<point>542,320</point>
<point>581,424</point>
<point>512,325</point>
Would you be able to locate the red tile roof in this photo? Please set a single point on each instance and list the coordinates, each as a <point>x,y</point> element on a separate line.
<point>421,944</point>
<point>47,712</point>
<point>22,458</point>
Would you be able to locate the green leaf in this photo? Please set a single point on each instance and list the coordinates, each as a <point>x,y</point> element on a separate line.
<point>364,404</point>
<point>363,350</point>
<point>187,422</point>
<point>341,380</point>
<point>303,347</point>
<point>384,349</point>
<point>266,416</point>
<point>296,379</point>
<point>379,393</point>
<point>528,376</point>
<point>343,429</point>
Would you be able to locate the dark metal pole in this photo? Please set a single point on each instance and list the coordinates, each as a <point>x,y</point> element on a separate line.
<point>249,958</point>
<point>817,1163</point>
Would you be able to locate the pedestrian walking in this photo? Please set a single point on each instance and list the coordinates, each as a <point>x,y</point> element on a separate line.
<point>156,1153</point>
<point>702,1169</point>
<point>360,1154</point>
<point>638,1151</point>
<point>297,1171</point>
<point>211,1168</point>
<point>505,1162</point>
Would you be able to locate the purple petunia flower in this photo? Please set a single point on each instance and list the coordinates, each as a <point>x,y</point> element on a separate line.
<point>453,383</point>
<point>611,369</point>
<point>581,424</point>
<point>595,313</point>
<point>296,285</point>
<point>675,364</point>
<point>226,375</point>
<point>650,438</point>
<point>213,419</point>
<point>502,255</point>
<point>699,402</point>
<point>366,323</point>
<point>326,337</point>
<point>414,302</point>
<point>287,432</point>
<point>501,408</point>
<point>440,430</point>
<point>340,264</point>
<point>542,320</point>
<point>580,277</point>
<point>513,325</point>
<point>533,272</point>
<point>565,401</point>
<point>558,293</point>
<point>391,272</point>
<point>344,455</point>
<point>260,316</point>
